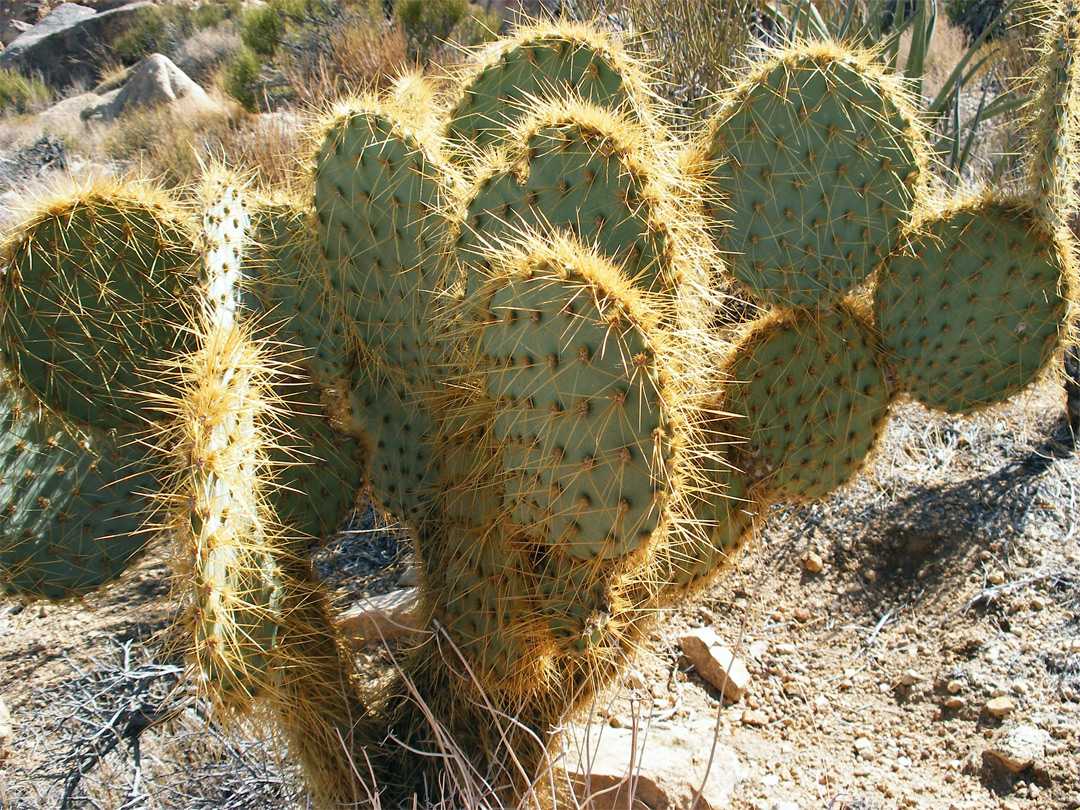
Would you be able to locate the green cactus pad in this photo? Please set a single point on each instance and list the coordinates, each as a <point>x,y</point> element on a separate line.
<point>489,610</point>
<point>582,173</point>
<point>318,472</point>
<point>972,311</point>
<point>72,509</point>
<point>93,298</point>
<point>816,162</point>
<point>573,375</point>
<point>376,191</point>
<point>545,60</point>
<point>575,602</point>
<point>814,397</point>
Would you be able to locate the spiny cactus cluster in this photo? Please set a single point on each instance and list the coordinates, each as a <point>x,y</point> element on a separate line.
<point>500,320</point>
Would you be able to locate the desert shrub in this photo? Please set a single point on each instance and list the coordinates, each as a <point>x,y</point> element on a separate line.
<point>240,77</point>
<point>161,29</point>
<point>356,52</point>
<point>428,23</point>
<point>21,94</point>
<point>173,147</point>
<point>477,27</point>
<point>262,29</point>
<point>206,50</point>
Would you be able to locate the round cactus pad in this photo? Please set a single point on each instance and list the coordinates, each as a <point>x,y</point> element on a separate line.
<point>92,299</point>
<point>582,177</point>
<point>71,503</point>
<point>535,65</point>
<point>973,310</point>
<point>817,164</point>
<point>815,398</point>
<point>722,522</point>
<point>574,378</point>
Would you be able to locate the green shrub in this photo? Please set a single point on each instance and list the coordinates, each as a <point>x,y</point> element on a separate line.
<point>240,78</point>
<point>262,30</point>
<point>429,23</point>
<point>20,94</point>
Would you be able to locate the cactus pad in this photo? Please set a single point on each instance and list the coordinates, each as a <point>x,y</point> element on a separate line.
<point>92,298</point>
<point>545,60</point>
<point>570,363</point>
<point>973,309</point>
<point>815,398</point>
<point>577,168</point>
<point>816,159</point>
<point>72,510</point>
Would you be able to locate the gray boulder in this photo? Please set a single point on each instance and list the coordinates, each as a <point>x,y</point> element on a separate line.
<point>66,46</point>
<point>154,81</point>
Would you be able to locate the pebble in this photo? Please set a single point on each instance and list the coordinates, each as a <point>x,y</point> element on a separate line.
<point>813,562</point>
<point>910,678</point>
<point>716,663</point>
<point>996,577</point>
<point>754,717</point>
<point>953,702</point>
<point>954,686</point>
<point>865,749</point>
<point>803,614</point>
<point>1001,706</point>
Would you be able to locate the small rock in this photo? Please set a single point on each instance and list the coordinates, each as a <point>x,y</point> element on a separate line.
<point>715,662</point>
<point>996,577</point>
<point>803,614</point>
<point>954,686</point>
<point>1038,603</point>
<point>953,702</point>
<point>380,618</point>
<point>1017,747</point>
<point>754,717</point>
<point>669,768</point>
<point>1001,706</point>
<point>813,563</point>
<point>910,678</point>
<point>865,749</point>
<point>635,680</point>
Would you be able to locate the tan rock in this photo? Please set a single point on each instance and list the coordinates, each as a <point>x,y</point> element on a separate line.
<point>669,765</point>
<point>1001,706</point>
<point>1017,747</point>
<point>813,563</point>
<point>716,663</point>
<point>380,618</point>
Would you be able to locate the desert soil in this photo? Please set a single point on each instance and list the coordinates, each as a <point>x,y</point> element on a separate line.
<point>882,628</point>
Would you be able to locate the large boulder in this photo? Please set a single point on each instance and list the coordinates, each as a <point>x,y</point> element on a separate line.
<point>67,46</point>
<point>154,81</point>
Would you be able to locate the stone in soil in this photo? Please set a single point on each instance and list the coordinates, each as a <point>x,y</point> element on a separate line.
<point>716,663</point>
<point>1016,747</point>
<point>668,768</point>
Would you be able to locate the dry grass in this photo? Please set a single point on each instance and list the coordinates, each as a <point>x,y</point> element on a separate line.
<point>358,56</point>
<point>948,46</point>
<point>158,142</point>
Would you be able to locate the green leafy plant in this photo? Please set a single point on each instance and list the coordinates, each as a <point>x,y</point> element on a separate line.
<point>21,94</point>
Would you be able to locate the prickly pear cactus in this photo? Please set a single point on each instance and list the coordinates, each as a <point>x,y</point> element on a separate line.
<point>547,59</point>
<point>972,309</point>
<point>816,160</point>
<point>93,298</point>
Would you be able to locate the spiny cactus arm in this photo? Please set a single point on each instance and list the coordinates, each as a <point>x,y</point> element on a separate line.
<point>1053,128</point>
<point>811,396</point>
<point>546,59</point>
<point>973,306</point>
<point>92,298</point>
<point>815,160</point>
<point>72,511</point>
